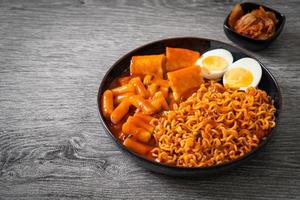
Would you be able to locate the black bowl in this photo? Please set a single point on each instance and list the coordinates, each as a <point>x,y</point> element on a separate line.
<point>267,83</point>
<point>248,42</point>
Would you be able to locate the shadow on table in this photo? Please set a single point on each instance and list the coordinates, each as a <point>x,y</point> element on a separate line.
<point>285,48</point>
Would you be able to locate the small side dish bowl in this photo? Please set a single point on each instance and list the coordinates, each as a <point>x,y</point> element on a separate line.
<point>248,42</point>
<point>121,67</point>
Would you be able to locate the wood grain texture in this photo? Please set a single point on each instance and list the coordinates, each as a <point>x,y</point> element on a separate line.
<point>53,55</point>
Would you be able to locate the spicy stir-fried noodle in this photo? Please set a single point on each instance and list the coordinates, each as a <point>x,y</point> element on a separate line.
<point>215,125</point>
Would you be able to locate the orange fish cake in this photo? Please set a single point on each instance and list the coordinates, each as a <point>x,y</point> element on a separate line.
<point>147,65</point>
<point>184,81</point>
<point>177,58</point>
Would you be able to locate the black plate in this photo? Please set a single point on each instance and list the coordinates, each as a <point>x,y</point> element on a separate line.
<point>267,83</point>
<point>250,43</point>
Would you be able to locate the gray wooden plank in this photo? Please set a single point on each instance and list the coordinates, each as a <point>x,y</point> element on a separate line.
<point>53,55</point>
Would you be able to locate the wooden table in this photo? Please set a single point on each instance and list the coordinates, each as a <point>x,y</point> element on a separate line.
<point>53,56</point>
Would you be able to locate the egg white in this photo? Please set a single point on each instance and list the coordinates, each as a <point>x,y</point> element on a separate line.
<point>216,74</point>
<point>249,64</point>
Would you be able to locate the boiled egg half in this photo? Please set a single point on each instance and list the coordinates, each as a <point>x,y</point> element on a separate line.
<point>214,63</point>
<point>242,74</point>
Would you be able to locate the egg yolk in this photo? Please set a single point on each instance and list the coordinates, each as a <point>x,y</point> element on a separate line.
<point>214,63</point>
<point>238,77</point>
